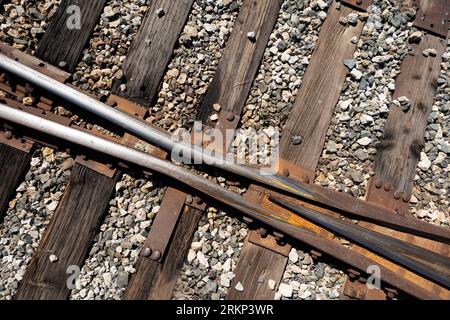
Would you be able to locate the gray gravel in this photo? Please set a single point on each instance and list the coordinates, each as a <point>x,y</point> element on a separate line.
<point>193,65</point>
<point>111,261</point>
<point>431,199</point>
<point>308,279</point>
<point>29,214</point>
<point>23,23</point>
<point>108,45</point>
<point>214,252</point>
<point>357,124</point>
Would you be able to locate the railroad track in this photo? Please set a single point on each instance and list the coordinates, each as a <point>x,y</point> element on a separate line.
<point>275,207</point>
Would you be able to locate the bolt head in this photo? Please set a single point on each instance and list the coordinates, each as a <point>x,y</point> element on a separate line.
<point>230,116</point>
<point>263,232</point>
<point>8,135</point>
<point>378,183</point>
<point>156,255</point>
<point>406,197</point>
<point>146,252</point>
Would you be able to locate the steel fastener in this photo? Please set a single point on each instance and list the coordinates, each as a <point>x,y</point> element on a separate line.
<point>146,252</point>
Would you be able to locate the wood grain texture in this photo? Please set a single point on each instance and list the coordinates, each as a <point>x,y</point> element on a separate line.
<point>152,49</point>
<point>13,166</point>
<point>403,140</point>
<point>156,281</point>
<point>310,117</point>
<point>61,43</point>
<point>257,265</point>
<point>320,91</point>
<point>69,235</point>
<point>242,57</point>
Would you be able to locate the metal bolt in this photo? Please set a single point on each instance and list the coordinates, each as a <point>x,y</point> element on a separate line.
<point>378,183</point>
<point>286,172</point>
<point>358,1</point>
<point>387,187</point>
<point>146,252</point>
<point>406,197</point>
<point>199,200</point>
<point>306,179</point>
<point>156,255</point>
<point>189,199</point>
<point>8,135</point>
<point>230,116</point>
<point>397,194</point>
<point>263,232</point>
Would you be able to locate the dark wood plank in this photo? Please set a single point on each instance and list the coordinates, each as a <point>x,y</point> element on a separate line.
<point>69,235</point>
<point>403,140</point>
<point>320,90</point>
<point>156,281</point>
<point>13,166</point>
<point>242,57</point>
<point>399,153</point>
<point>257,265</point>
<point>152,49</point>
<point>61,43</point>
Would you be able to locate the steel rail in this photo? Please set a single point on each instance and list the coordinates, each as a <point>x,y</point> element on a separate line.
<point>208,188</point>
<point>427,263</point>
<point>152,135</point>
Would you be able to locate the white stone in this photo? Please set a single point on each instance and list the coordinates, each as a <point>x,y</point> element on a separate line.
<point>227,265</point>
<point>356,74</point>
<point>191,255</point>
<point>364,141</point>
<point>365,119</point>
<point>424,163</point>
<point>271,284</point>
<point>305,294</point>
<point>293,256</point>
<point>239,287</point>
<point>225,281</point>
<point>107,278</point>
<point>52,206</point>
<point>202,259</point>
<point>423,213</point>
<point>196,246</point>
<point>285,57</point>
<point>285,290</point>
<point>344,105</point>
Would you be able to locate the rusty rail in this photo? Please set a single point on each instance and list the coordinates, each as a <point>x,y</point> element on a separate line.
<point>432,265</point>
